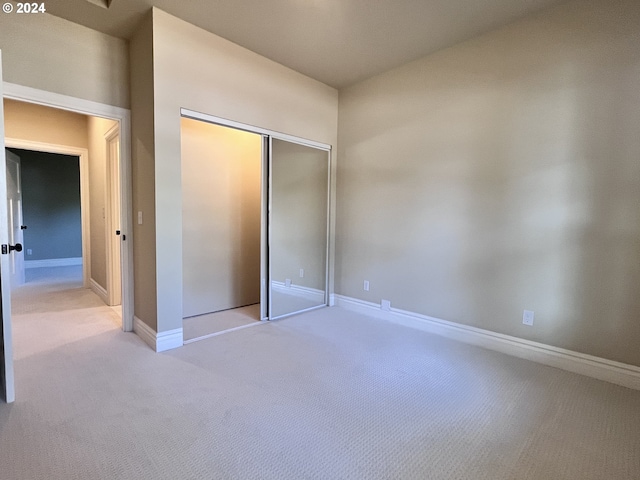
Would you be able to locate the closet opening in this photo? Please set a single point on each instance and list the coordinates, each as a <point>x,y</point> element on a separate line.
<point>255,225</point>
<point>221,228</point>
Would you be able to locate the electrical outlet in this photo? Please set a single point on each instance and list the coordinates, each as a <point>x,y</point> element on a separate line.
<point>302,273</point>
<point>287,282</point>
<point>385,305</point>
<point>366,285</point>
<point>29,251</point>
<point>527,317</point>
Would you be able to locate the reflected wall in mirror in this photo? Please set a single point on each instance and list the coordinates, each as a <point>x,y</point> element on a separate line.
<point>299,196</point>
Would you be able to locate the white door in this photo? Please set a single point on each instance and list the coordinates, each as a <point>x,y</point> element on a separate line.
<point>14,211</point>
<point>114,227</point>
<point>6,347</point>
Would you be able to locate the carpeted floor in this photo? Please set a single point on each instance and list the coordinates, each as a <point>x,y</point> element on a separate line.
<point>324,395</point>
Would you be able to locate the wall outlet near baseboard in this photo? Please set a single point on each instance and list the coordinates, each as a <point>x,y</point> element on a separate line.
<point>302,273</point>
<point>527,317</point>
<point>29,251</point>
<point>287,282</point>
<point>366,285</point>
<point>385,305</point>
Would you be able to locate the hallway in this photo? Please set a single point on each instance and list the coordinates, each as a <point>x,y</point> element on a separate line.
<point>54,308</point>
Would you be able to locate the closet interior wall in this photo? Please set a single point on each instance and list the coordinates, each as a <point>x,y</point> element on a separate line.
<point>221,218</point>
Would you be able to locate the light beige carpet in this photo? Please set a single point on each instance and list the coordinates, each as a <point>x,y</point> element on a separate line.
<point>52,289</point>
<point>54,309</point>
<point>324,395</point>
<point>203,325</point>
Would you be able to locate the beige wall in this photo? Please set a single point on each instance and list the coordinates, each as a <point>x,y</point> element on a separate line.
<point>502,174</point>
<point>221,199</point>
<point>143,173</point>
<point>97,129</point>
<point>203,72</point>
<point>36,123</point>
<point>55,55</point>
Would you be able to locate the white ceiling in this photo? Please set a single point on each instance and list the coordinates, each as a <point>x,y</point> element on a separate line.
<point>338,42</point>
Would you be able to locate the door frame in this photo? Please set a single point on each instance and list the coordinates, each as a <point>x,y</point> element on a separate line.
<point>83,163</point>
<point>123,117</point>
<point>328,236</point>
<point>7,385</point>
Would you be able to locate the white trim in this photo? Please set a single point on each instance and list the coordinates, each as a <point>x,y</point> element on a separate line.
<point>205,117</point>
<point>159,342</point>
<point>589,365</point>
<point>83,165</point>
<point>123,116</point>
<point>308,293</point>
<point>145,332</point>
<point>233,329</point>
<point>6,353</point>
<point>53,262</point>
<point>264,222</point>
<point>98,290</point>
<point>58,100</point>
<point>169,340</point>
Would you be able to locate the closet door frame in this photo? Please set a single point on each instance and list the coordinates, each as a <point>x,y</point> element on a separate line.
<point>327,237</point>
<point>265,272</point>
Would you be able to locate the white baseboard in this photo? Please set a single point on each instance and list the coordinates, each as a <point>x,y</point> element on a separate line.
<point>332,299</point>
<point>169,340</point>
<point>159,342</point>
<point>145,332</point>
<point>591,366</point>
<point>308,293</point>
<point>99,290</point>
<point>53,262</point>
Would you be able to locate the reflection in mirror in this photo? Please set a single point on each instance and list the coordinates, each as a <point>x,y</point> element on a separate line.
<point>297,227</point>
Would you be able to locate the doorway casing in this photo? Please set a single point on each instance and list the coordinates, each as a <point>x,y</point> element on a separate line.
<point>83,160</point>
<point>123,117</point>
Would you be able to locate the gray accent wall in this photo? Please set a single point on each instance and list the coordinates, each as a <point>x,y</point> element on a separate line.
<point>51,205</point>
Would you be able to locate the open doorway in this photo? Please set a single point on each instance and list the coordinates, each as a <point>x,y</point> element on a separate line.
<point>29,99</point>
<point>43,190</point>
<point>59,196</point>
<point>221,225</point>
